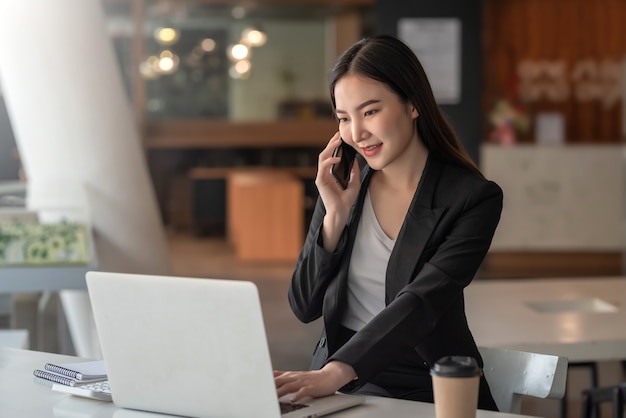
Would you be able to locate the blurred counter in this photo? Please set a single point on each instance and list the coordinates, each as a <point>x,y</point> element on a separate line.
<point>562,204</point>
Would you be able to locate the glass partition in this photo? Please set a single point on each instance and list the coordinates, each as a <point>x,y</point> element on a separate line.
<point>210,60</point>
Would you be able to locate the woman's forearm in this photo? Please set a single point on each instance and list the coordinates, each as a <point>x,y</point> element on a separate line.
<point>332,229</point>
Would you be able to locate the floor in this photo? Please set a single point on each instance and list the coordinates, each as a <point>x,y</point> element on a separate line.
<point>291,342</point>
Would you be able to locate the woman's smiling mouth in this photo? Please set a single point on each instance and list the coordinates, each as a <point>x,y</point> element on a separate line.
<point>371,150</point>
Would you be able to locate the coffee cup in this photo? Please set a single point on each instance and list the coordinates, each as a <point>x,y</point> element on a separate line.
<point>456,380</point>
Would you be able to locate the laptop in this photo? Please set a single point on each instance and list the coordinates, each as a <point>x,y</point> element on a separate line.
<point>190,346</point>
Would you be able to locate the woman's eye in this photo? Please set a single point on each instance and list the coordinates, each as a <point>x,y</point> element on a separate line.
<point>342,119</point>
<point>370,112</point>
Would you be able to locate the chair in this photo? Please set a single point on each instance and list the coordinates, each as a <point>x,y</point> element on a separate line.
<point>593,397</point>
<point>592,366</point>
<point>511,374</point>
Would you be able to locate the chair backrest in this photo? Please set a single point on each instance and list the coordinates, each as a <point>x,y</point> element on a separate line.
<point>511,374</point>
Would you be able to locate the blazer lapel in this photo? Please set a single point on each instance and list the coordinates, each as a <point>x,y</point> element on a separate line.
<point>415,232</point>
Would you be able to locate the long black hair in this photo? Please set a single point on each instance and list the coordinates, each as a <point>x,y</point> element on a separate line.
<point>390,61</point>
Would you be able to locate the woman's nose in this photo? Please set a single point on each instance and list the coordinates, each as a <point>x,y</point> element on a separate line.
<point>359,133</point>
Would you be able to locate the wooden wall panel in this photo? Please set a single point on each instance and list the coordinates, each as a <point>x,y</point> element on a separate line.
<point>571,31</point>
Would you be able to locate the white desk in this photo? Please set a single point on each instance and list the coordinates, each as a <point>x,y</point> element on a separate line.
<point>569,317</point>
<point>21,396</point>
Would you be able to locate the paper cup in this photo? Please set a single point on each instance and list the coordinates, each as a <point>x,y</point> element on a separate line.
<point>456,380</point>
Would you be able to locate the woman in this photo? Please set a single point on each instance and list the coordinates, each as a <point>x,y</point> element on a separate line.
<point>385,261</point>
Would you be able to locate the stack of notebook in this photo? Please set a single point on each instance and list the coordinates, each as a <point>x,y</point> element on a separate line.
<point>71,374</point>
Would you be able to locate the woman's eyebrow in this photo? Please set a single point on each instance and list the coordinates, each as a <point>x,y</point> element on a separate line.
<point>361,106</point>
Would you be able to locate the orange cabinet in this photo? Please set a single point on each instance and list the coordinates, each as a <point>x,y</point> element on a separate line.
<point>265,214</point>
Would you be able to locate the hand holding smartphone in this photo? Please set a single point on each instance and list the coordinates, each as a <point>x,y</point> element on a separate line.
<point>341,170</point>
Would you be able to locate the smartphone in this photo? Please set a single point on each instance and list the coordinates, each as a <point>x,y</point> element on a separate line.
<point>341,170</point>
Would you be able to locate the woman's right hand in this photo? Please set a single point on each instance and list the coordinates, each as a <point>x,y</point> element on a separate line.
<point>337,201</point>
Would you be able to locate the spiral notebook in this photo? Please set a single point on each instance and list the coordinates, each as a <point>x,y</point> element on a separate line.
<point>83,370</point>
<point>191,347</point>
<point>71,374</point>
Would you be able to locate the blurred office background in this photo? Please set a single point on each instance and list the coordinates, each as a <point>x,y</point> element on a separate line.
<point>223,92</point>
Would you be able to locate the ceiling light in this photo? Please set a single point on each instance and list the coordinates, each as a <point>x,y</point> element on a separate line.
<point>239,52</point>
<point>254,37</point>
<point>243,66</point>
<point>166,36</point>
<point>238,12</point>
<point>207,44</point>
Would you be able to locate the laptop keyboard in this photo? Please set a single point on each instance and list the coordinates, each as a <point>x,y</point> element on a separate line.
<point>286,407</point>
<point>98,386</point>
<point>102,391</point>
<point>95,390</point>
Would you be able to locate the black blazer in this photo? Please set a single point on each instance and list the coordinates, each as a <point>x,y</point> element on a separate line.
<point>441,244</point>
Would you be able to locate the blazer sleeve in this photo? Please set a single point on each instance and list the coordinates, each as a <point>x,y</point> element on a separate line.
<point>314,270</point>
<point>415,311</point>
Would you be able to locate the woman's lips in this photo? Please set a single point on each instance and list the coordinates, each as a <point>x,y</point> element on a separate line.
<point>371,150</point>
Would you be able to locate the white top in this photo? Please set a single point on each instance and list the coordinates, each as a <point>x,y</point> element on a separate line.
<point>367,271</point>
